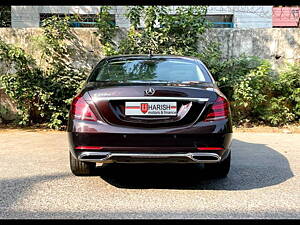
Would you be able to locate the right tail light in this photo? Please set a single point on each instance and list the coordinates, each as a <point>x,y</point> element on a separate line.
<point>219,110</point>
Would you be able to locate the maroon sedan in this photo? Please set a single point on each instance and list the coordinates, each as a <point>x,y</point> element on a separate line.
<point>150,108</point>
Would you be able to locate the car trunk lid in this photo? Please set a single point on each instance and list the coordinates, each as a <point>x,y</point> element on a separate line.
<point>111,101</point>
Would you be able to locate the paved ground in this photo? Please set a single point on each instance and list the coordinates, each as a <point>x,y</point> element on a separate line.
<point>36,182</point>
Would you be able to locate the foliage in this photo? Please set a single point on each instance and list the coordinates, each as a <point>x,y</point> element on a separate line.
<point>229,73</point>
<point>18,85</point>
<point>163,33</point>
<point>63,79</point>
<point>56,31</point>
<point>43,93</point>
<point>278,112</point>
<point>5,16</point>
<point>6,115</point>
<point>288,86</point>
<point>261,96</point>
<point>106,30</point>
<point>251,95</point>
<point>285,102</point>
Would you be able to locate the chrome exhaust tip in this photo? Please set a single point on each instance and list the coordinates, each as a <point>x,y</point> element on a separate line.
<point>94,156</point>
<point>205,157</point>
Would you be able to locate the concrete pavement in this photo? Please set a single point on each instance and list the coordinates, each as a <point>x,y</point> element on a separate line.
<point>36,182</point>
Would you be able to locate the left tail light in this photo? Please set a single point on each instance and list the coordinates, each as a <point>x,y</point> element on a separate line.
<point>81,111</point>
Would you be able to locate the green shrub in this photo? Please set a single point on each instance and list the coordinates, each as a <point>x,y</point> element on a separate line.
<point>6,115</point>
<point>251,95</point>
<point>230,73</point>
<point>19,85</point>
<point>285,103</point>
<point>288,86</point>
<point>260,96</point>
<point>42,91</point>
<point>106,31</point>
<point>278,112</point>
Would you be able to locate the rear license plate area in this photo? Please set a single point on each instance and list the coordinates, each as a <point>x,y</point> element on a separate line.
<point>151,108</point>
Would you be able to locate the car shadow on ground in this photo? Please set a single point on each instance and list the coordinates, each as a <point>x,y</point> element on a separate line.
<point>252,166</point>
<point>14,189</point>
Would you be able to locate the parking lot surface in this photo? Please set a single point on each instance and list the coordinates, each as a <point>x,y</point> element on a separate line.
<point>36,182</point>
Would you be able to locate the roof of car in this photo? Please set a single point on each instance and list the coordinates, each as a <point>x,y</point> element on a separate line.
<point>149,56</point>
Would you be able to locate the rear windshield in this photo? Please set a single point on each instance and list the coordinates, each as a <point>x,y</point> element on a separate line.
<point>149,70</point>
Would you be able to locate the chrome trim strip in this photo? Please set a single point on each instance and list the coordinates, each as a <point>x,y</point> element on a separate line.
<point>197,88</point>
<point>153,98</point>
<point>108,155</point>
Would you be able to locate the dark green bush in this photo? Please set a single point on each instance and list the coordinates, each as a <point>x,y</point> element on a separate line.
<point>289,86</point>
<point>278,112</point>
<point>252,93</point>
<point>285,102</point>
<point>261,96</point>
<point>229,73</point>
<point>42,91</point>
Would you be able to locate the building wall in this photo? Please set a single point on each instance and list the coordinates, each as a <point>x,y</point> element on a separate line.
<point>246,16</point>
<point>278,45</point>
<point>25,16</point>
<point>268,43</point>
<point>28,16</point>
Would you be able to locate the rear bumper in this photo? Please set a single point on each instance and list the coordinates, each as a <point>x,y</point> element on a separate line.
<point>123,144</point>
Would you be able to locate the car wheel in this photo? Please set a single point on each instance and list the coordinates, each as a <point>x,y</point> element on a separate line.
<point>80,168</point>
<point>220,169</point>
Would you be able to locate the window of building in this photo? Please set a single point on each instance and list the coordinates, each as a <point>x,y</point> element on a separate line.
<point>80,20</point>
<point>220,21</point>
<point>5,16</point>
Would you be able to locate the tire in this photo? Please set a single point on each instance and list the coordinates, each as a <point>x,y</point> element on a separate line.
<point>219,170</point>
<point>80,168</point>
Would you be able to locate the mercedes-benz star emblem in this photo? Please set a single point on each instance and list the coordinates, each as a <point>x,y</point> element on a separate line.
<point>150,91</point>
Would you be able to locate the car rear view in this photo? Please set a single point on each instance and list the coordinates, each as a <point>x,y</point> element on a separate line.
<point>150,108</point>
